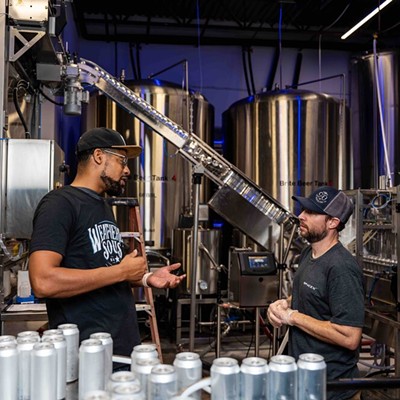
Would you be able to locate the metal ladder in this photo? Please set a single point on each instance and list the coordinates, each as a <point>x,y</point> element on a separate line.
<point>136,241</point>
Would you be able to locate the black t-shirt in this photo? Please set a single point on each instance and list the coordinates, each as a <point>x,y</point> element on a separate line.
<point>329,288</point>
<point>79,224</point>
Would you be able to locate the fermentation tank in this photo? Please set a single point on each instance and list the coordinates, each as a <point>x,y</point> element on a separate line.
<point>160,178</point>
<point>289,142</point>
<point>369,152</point>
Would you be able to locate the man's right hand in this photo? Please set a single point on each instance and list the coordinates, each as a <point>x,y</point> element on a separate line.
<point>275,313</point>
<point>134,266</point>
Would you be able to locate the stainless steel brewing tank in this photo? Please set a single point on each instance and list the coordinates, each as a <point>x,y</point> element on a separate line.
<point>289,142</point>
<point>206,276</point>
<point>369,160</point>
<point>161,179</point>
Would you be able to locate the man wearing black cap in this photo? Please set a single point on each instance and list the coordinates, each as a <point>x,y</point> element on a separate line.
<point>77,259</point>
<point>326,309</point>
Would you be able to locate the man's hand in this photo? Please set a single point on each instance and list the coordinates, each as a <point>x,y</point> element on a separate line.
<point>162,277</point>
<point>133,266</point>
<point>278,313</point>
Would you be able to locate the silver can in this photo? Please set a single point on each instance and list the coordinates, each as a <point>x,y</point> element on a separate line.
<point>121,378</point>
<point>162,382</point>
<point>144,352</point>
<point>282,380</point>
<point>91,366</point>
<point>7,339</point>
<point>53,332</point>
<point>128,392</point>
<point>312,376</point>
<point>225,379</point>
<point>60,345</point>
<point>253,378</point>
<point>8,368</point>
<point>30,334</point>
<point>71,333</point>
<point>107,342</point>
<point>97,395</point>
<point>43,372</point>
<point>25,346</point>
<point>189,369</point>
<point>142,369</point>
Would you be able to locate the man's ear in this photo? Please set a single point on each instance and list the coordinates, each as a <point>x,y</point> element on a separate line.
<point>98,156</point>
<point>333,222</point>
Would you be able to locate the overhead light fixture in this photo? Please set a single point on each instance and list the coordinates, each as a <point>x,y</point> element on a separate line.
<point>367,18</point>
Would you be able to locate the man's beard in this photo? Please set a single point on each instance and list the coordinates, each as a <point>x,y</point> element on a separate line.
<point>313,236</point>
<point>113,188</point>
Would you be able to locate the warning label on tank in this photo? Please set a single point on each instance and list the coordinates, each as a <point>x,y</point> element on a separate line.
<point>149,178</point>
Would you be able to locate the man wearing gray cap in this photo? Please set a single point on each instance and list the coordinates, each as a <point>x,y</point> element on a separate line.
<point>326,309</point>
<point>77,260</point>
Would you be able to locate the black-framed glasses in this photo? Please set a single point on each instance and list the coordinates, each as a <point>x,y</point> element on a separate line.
<point>124,159</point>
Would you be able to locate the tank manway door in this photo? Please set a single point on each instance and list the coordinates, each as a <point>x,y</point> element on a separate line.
<point>240,201</point>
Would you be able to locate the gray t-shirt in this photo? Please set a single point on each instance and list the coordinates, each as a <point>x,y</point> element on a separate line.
<point>329,288</point>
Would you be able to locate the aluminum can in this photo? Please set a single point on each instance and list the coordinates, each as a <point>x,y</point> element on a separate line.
<point>312,376</point>
<point>144,352</point>
<point>142,369</point>
<point>189,369</point>
<point>43,372</point>
<point>121,378</point>
<point>71,333</point>
<point>33,334</point>
<point>282,380</point>
<point>97,395</point>
<point>25,346</point>
<point>162,382</point>
<point>127,392</point>
<point>7,339</point>
<point>253,378</point>
<point>60,345</point>
<point>225,379</point>
<point>107,342</point>
<point>91,366</point>
<point>8,368</point>
<point>53,332</point>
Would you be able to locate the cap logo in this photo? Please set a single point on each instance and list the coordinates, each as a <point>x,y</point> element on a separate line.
<point>321,197</point>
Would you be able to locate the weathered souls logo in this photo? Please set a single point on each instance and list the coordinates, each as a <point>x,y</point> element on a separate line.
<point>106,237</point>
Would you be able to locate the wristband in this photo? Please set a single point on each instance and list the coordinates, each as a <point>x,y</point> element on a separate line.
<point>145,277</point>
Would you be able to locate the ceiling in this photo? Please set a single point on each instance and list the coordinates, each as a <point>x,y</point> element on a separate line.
<point>290,23</point>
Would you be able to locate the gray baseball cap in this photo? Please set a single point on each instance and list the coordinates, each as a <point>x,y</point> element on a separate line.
<point>329,201</point>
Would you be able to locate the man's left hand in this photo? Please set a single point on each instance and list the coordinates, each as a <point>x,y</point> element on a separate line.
<point>163,279</point>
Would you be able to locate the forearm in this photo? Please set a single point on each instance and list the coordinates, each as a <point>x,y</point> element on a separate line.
<point>340,335</point>
<point>59,282</point>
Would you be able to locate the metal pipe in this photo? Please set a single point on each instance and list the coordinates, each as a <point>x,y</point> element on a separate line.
<point>363,383</point>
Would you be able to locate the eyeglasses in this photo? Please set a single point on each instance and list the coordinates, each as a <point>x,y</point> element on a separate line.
<point>124,159</point>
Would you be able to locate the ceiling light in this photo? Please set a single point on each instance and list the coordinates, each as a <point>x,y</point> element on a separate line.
<point>367,18</point>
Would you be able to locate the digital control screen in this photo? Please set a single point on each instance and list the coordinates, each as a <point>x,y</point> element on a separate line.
<point>257,263</point>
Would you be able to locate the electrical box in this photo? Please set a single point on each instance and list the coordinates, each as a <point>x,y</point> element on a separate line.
<point>29,168</point>
<point>253,278</point>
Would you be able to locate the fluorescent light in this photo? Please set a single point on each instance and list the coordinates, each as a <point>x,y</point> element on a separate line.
<point>367,18</point>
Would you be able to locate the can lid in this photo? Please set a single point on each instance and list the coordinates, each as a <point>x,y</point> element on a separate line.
<point>91,346</point>
<point>27,339</point>
<point>144,348</point>
<point>187,359</point>
<point>58,341</point>
<point>43,349</point>
<point>7,339</point>
<point>282,363</point>
<point>52,332</point>
<point>127,389</point>
<point>97,395</point>
<point>100,335</point>
<point>163,373</point>
<point>68,328</point>
<point>311,361</point>
<point>225,365</point>
<point>28,334</point>
<point>8,349</point>
<point>123,376</point>
<point>254,366</point>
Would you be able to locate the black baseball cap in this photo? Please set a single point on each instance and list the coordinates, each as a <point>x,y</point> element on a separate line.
<point>329,201</point>
<point>102,138</point>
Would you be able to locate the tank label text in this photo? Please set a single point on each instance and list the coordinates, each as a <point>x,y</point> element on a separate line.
<point>303,183</point>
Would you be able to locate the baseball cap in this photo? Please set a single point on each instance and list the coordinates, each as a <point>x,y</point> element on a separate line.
<point>101,138</point>
<point>328,200</point>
